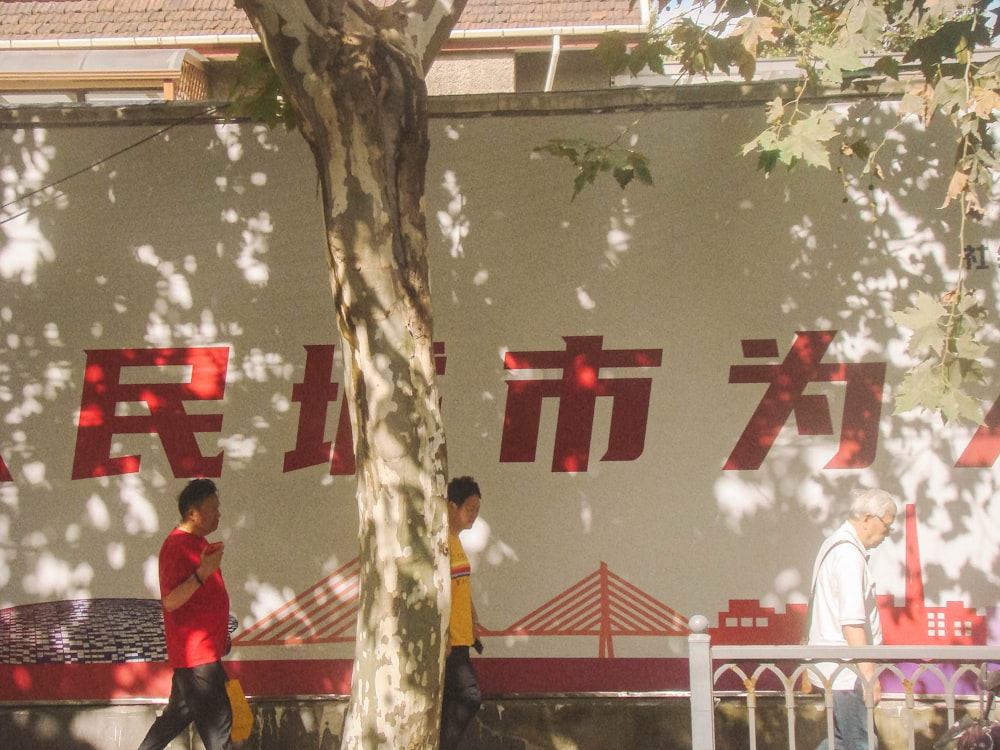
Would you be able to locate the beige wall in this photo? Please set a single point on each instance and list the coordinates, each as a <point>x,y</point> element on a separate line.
<point>471,74</point>
<point>210,235</point>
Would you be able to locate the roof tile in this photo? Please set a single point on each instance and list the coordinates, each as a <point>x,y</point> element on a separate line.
<point>127,18</point>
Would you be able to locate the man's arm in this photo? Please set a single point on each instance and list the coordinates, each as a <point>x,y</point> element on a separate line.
<point>855,636</point>
<point>211,559</point>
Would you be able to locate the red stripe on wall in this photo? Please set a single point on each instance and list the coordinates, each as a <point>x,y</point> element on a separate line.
<point>292,677</point>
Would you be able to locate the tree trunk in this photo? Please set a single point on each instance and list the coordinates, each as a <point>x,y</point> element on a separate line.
<point>356,82</point>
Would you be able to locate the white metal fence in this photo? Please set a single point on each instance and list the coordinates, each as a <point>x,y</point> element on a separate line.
<point>944,678</point>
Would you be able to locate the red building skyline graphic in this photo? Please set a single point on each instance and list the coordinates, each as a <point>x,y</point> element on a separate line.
<point>912,623</point>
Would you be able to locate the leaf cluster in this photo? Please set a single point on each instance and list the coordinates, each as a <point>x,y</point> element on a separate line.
<point>936,57</point>
<point>591,159</point>
<point>256,93</point>
<point>944,338</point>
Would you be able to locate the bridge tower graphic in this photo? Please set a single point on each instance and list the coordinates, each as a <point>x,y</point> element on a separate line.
<point>601,604</point>
<point>327,612</point>
<point>604,605</point>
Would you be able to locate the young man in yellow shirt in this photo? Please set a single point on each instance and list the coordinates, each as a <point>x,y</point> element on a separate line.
<point>461,687</point>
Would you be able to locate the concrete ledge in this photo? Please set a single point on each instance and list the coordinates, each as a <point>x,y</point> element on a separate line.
<point>625,99</point>
<point>601,722</point>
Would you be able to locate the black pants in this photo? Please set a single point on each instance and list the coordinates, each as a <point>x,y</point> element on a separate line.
<point>461,697</point>
<point>197,694</point>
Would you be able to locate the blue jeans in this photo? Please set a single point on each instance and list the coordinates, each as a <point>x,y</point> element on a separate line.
<point>850,720</point>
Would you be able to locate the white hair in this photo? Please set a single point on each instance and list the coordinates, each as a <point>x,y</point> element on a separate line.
<point>872,502</point>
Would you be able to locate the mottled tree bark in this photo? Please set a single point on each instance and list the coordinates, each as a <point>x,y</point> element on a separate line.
<point>354,72</point>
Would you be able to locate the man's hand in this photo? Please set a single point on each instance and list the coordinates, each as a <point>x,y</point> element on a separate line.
<point>211,559</point>
<point>855,636</point>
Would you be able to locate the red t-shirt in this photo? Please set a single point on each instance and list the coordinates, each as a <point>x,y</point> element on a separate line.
<point>198,629</point>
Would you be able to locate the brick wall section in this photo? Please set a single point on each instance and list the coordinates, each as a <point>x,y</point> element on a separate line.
<point>57,19</point>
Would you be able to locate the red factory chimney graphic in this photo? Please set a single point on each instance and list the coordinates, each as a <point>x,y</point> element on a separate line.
<point>914,570</point>
<point>915,623</point>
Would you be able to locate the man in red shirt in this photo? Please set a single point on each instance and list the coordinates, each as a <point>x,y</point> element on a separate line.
<point>196,621</point>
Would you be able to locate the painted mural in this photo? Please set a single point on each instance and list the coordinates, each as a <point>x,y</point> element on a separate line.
<point>666,394</point>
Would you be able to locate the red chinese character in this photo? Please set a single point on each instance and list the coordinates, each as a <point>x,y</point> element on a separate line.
<point>983,449</point>
<point>5,472</point>
<point>314,395</point>
<point>103,391</point>
<point>577,390</point>
<point>784,396</point>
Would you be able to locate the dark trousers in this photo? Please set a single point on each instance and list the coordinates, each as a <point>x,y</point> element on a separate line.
<point>197,694</point>
<point>461,697</point>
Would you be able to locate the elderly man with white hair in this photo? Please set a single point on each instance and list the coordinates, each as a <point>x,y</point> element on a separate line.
<point>843,611</point>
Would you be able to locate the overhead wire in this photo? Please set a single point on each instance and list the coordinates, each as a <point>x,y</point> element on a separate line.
<point>103,160</point>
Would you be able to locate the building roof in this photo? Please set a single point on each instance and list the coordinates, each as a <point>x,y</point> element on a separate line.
<point>74,19</point>
<point>106,19</point>
<point>506,14</point>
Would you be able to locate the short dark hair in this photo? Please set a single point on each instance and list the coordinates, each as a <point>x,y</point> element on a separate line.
<point>195,491</point>
<point>461,489</point>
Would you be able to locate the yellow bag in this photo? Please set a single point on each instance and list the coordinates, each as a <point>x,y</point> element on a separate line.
<point>807,686</point>
<point>242,713</point>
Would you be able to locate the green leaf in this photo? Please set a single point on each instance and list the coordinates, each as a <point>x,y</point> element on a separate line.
<point>865,19</point>
<point>766,141</point>
<point>956,405</point>
<point>612,51</point>
<point>639,164</point>
<point>914,104</point>
<point>923,319</point>
<point>768,160</point>
<point>590,159</point>
<point>920,387</point>
<point>950,94</point>
<point>256,93</point>
<point>969,348</point>
<point>839,58</point>
<point>806,138</point>
<point>859,149</point>
<point>887,66</point>
<point>949,42</point>
<point>801,14</point>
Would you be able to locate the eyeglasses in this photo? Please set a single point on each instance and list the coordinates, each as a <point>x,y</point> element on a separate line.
<point>888,526</point>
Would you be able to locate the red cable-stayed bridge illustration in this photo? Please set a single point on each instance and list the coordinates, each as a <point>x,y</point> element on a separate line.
<point>327,612</point>
<point>603,605</point>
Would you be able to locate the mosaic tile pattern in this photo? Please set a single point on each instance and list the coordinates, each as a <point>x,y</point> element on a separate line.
<point>83,631</point>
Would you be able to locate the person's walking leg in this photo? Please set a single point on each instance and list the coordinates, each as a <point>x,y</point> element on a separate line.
<point>461,697</point>
<point>174,719</point>
<point>213,715</point>
<point>851,717</point>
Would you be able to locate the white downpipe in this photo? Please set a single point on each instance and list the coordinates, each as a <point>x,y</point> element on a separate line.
<point>550,76</point>
<point>644,13</point>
